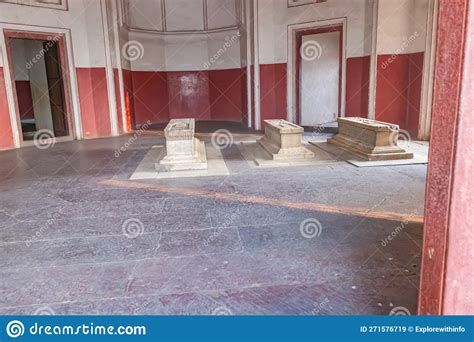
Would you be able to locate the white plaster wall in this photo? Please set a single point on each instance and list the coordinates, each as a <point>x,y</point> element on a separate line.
<point>84,19</point>
<point>274,18</point>
<point>183,51</point>
<point>401,26</point>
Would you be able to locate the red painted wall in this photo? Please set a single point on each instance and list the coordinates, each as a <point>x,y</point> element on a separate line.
<point>189,94</point>
<point>398,92</point>
<point>357,86</point>
<point>94,103</point>
<point>226,93</point>
<point>273,88</point>
<point>415,72</point>
<point>203,95</point>
<point>25,100</point>
<point>6,135</point>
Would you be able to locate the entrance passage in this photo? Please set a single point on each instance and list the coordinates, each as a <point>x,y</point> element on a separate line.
<point>39,88</point>
<point>319,75</point>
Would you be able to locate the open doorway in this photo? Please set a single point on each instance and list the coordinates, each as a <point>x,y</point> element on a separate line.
<point>319,76</point>
<point>36,64</point>
<point>316,74</point>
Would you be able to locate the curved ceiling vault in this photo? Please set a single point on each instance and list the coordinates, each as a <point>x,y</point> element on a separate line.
<point>181,16</point>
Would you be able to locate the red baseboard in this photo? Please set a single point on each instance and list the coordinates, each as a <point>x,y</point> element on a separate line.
<point>203,95</point>
<point>399,89</point>
<point>93,98</point>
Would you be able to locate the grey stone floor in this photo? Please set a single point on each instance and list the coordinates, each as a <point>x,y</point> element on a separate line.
<point>71,242</point>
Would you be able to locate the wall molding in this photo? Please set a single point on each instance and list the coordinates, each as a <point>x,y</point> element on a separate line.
<point>57,5</point>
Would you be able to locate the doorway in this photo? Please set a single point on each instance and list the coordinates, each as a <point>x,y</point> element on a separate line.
<point>39,85</point>
<point>318,75</point>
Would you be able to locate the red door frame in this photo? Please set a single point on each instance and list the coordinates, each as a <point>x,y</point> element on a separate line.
<point>63,61</point>
<point>447,266</point>
<point>299,42</point>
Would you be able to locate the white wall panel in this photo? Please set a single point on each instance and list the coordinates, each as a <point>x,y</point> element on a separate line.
<point>222,13</point>
<point>144,14</point>
<point>402,26</point>
<point>184,15</point>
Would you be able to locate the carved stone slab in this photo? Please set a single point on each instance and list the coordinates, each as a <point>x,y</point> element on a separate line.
<point>369,139</point>
<point>183,150</point>
<point>282,141</point>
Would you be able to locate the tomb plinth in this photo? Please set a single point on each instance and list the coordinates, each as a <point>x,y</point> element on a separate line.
<point>283,141</point>
<point>369,139</point>
<point>183,150</point>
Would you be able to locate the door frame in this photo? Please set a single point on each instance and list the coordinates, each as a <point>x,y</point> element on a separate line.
<point>295,33</point>
<point>71,104</point>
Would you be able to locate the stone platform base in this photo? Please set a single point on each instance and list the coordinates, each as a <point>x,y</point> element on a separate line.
<point>216,165</point>
<point>364,152</point>
<point>257,157</point>
<point>277,153</point>
<point>369,139</point>
<point>182,163</point>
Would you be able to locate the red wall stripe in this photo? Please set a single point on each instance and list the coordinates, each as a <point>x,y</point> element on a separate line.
<point>415,71</point>
<point>273,97</point>
<point>189,94</point>
<point>6,134</point>
<point>399,89</point>
<point>203,95</point>
<point>226,94</point>
<point>357,86</point>
<point>93,97</point>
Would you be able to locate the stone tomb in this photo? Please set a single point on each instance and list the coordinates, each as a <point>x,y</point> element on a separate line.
<point>183,150</point>
<point>369,139</point>
<point>283,141</point>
